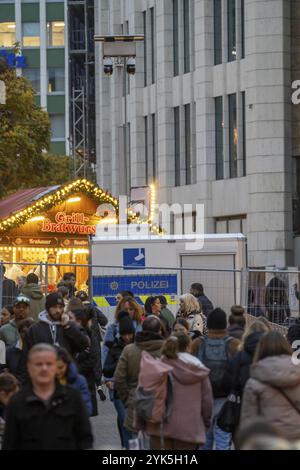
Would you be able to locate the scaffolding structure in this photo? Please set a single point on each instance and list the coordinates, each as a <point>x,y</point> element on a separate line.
<point>82,88</point>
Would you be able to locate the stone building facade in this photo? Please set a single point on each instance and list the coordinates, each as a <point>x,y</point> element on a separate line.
<point>208,116</point>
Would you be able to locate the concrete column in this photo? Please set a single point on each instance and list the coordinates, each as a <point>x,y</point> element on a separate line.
<point>269,132</point>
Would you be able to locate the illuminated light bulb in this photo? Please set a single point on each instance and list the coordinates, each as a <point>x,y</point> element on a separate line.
<point>74,199</point>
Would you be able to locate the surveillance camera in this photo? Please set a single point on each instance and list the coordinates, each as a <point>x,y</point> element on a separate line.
<point>131,66</point>
<point>108,66</point>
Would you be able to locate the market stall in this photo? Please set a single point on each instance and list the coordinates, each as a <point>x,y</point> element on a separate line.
<point>57,220</point>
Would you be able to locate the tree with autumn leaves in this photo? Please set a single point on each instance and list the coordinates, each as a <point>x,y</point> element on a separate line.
<point>25,139</point>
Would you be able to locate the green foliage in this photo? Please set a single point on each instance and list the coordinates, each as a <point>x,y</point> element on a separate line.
<point>57,170</point>
<point>24,136</point>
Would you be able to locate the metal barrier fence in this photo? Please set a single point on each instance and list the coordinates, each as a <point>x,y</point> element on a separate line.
<point>272,293</point>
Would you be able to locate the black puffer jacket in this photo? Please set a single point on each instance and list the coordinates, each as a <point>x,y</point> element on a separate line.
<point>240,365</point>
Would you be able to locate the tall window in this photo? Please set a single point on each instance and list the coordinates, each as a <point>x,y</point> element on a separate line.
<point>146,151</point>
<point>186,27</point>
<point>231,15</point>
<point>154,152</point>
<point>128,156</point>
<point>152,30</point>
<point>233,135</point>
<point>33,75</point>
<point>145,47</point>
<point>31,34</point>
<point>56,80</point>
<point>187,119</point>
<point>244,131</point>
<point>56,33</point>
<point>243,27</point>
<point>151,163</point>
<point>7,34</point>
<point>57,126</point>
<point>219,129</point>
<point>177,144</point>
<point>175,38</point>
<point>217,32</point>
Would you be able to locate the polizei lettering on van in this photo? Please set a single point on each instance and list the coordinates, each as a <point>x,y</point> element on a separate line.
<point>149,284</point>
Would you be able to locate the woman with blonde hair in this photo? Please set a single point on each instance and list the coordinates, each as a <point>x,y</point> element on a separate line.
<point>191,310</point>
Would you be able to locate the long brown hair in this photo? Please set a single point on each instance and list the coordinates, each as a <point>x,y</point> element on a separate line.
<point>175,344</point>
<point>138,311</point>
<point>256,327</point>
<point>272,343</point>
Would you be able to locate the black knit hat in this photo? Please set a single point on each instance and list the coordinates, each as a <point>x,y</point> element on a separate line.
<point>53,299</point>
<point>217,320</point>
<point>126,326</point>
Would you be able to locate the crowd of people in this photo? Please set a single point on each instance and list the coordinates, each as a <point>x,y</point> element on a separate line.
<point>171,378</point>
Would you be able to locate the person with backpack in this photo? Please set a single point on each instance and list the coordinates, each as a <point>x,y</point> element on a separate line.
<point>215,352</point>
<point>126,330</point>
<point>127,372</point>
<point>179,423</point>
<point>273,390</point>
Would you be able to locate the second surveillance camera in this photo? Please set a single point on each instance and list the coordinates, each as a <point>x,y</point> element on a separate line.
<point>131,66</point>
<point>108,66</point>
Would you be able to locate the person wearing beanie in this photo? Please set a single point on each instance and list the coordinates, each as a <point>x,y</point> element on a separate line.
<point>216,352</point>
<point>54,327</point>
<point>126,331</point>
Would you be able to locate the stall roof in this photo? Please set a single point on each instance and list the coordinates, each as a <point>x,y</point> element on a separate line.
<point>19,207</point>
<point>21,199</point>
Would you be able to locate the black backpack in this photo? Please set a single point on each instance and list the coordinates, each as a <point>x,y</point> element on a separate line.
<point>214,354</point>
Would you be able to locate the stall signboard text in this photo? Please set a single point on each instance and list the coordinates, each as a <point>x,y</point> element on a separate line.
<point>76,223</point>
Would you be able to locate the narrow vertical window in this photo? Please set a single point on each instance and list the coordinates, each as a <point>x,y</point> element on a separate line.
<point>175,38</point>
<point>154,155</point>
<point>186,27</point>
<point>231,14</point>
<point>219,129</point>
<point>145,47</point>
<point>244,131</point>
<point>146,151</point>
<point>217,32</point>
<point>152,45</point>
<point>233,135</point>
<point>187,118</point>
<point>177,145</point>
<point>243,28</point>
<point>128,140</point>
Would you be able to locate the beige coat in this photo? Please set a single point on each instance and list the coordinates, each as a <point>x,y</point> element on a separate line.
<point>262,399</point>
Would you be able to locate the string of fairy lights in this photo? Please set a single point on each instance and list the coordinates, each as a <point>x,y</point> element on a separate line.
<point>60,195</point>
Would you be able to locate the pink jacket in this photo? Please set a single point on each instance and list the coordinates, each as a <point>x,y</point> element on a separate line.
<point>192,402</point>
